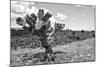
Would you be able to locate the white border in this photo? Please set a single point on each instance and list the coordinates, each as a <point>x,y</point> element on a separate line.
<point>5,33</point>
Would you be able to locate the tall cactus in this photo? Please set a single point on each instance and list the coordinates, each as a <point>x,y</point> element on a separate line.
<point>41,25</point>
<point>45,36</point>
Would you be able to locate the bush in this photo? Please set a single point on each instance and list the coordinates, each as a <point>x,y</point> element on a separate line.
<point>25,42</point>
<point>60,38</point>
<point>78,38</point>
<point>82,30</point>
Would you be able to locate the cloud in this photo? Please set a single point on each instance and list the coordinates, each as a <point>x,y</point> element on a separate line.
<point>61,16</point>
<point>74,19</point>
<point>17,8</point>
<point>22,7</point>
<point>32,10</point>
<point>23,3</point>
<point>83,15</point>
<point>77,5</point>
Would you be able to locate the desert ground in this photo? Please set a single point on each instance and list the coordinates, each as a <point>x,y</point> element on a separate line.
<point>79,51</point>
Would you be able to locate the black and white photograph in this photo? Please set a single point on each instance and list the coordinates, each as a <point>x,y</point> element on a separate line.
<point>43,33</point>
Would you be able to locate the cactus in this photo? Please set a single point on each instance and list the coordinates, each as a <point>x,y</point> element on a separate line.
<point>40,25</point>
<point>59,27</point>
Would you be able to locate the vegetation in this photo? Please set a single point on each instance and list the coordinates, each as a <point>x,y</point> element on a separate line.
<point>60,38</point>
<point>38,34</point>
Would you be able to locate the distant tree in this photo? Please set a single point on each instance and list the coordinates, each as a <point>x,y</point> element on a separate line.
<point>92,31</point>
<point>73,32</point>
<point>93,35</point>
<point>77,37</point>
<point>82,30</point>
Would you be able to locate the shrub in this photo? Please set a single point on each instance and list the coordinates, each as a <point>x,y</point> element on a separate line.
<point>82,30</point>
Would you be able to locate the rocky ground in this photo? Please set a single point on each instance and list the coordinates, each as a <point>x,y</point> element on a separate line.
<point>80,51</point>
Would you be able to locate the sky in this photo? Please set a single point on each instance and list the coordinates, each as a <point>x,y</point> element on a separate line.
<point>74,16</point>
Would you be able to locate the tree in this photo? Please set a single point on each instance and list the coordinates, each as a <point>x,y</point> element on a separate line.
<point>39,25</point>
<point>59,26</point>
<point>82,31</point>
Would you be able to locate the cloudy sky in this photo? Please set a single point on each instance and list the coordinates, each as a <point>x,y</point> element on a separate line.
<point>76,17</point>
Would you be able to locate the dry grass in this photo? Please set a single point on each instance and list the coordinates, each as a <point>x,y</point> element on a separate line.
<point>80,51</point>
